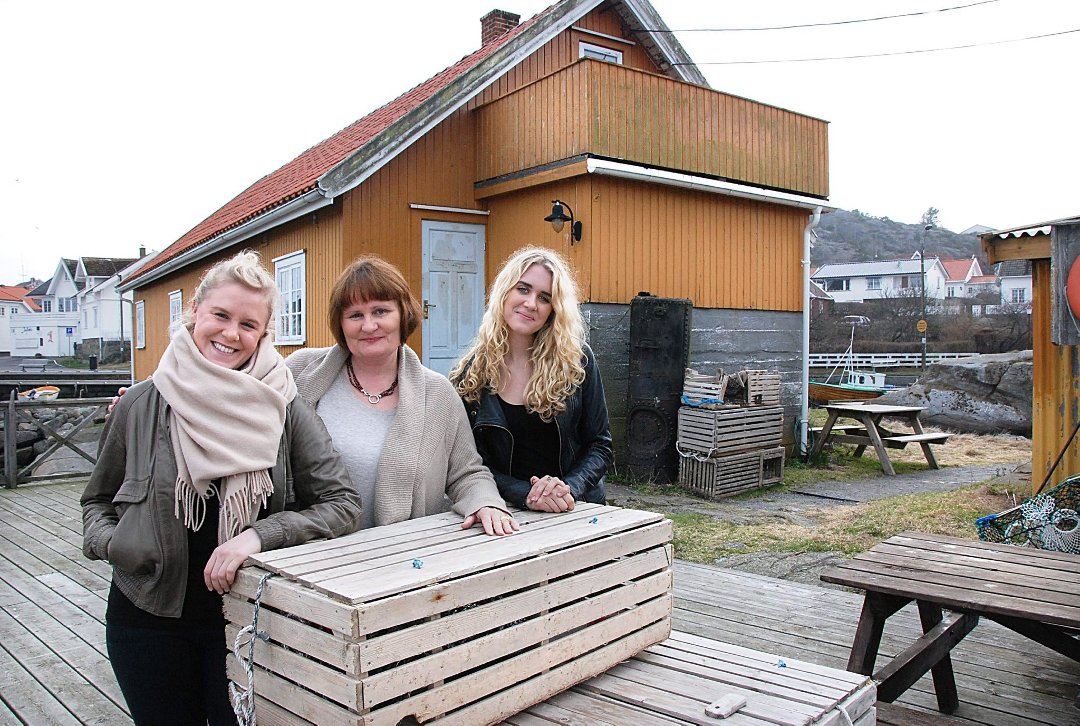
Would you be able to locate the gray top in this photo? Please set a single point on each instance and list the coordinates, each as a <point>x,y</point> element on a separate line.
<point>358,431</point>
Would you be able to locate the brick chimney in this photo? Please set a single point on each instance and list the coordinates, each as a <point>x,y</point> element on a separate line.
<point>496,24</point>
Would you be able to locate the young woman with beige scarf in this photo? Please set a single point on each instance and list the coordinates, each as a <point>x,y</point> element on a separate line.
<point>214,459</point>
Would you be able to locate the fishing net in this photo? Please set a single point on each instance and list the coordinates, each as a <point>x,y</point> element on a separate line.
<point>1048,521</point>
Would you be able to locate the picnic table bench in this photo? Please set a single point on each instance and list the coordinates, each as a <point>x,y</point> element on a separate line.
<point>1033,592</point>
<point>869,431</point>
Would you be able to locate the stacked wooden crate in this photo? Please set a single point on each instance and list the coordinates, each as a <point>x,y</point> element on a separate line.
<point>725,450</point>
<point>423,620</point>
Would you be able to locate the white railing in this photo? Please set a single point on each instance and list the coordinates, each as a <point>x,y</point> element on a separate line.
<point>881,360</point>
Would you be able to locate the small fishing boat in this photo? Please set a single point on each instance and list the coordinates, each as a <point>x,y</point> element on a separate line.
<point>851,384</point>
<point>41,393</point>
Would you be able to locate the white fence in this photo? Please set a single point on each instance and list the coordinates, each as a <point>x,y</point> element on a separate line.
<point>881,360</point>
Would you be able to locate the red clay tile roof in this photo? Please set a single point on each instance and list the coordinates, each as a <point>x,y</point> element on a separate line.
<point>957,269</point>
<point>983,280</point>
<point>12,293</point>
<point>299,175</point>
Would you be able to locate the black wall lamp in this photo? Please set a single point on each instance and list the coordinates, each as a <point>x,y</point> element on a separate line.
<point>558,218</point>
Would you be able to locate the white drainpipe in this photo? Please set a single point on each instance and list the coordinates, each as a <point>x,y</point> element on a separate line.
<point>805,399</point>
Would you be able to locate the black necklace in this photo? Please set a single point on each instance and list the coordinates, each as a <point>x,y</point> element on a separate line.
<point>372,398</point>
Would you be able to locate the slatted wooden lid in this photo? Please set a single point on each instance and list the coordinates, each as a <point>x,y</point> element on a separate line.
<point>383,561</point>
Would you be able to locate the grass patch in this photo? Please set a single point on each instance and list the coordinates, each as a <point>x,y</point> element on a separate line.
<point>72,363</point>
<point>850,530</point>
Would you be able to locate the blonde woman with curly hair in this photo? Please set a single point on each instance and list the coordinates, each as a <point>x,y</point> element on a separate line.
<point>533,390</point>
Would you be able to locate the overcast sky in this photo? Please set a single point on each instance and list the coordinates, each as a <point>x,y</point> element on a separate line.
<point>127,123</point>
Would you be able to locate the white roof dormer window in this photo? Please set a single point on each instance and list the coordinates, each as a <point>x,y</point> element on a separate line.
<point>599,52</point>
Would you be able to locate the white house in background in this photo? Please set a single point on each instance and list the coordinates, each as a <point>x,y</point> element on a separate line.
<point>13,301</point>
<point>53,330</point>
<point>59,324</point>
<point>861,281</point>
<point>966,279</point>
<point>105,314</point>
<point>1015,277</point>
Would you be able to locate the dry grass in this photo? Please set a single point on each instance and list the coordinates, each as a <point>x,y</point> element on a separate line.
<point>854,529</point>
<point>966,449</point>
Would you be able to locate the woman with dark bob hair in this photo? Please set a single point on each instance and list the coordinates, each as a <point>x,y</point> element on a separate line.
<point>398,425</point>
<point>213,459</point>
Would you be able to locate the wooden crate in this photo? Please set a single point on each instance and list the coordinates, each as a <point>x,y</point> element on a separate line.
<point>424,620</point>
<point>726,476</point>
<point>762,388</point>
<point>730,430</point>
<point>673,681</point>
<point>702,390</point>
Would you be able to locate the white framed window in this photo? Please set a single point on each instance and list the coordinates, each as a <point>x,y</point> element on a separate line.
<point>46,306</point>
<point>838,285</point>
<point>599,52</point>
<point>140,324</point>
<point>873,283</point>
<point>290,273</point>
<point>176,306</point>
<point>1017,295</point>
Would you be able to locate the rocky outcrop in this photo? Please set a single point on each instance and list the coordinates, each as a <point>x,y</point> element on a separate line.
<point>982,394</point>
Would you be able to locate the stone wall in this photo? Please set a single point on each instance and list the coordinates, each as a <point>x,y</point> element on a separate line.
<point>719,338</point>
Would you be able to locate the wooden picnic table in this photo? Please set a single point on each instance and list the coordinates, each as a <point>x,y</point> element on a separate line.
<point>1033,592</point>
<point>871,432</point>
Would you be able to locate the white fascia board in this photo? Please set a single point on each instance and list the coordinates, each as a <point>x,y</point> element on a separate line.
<point>302,205</point>
<point>703,184</point>
<point>338,180</point>
<point>666,42</point>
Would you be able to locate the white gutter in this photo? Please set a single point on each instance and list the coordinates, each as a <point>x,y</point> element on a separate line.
<point>702,184</point>
<point>302,205</point>
<point>804,396</point>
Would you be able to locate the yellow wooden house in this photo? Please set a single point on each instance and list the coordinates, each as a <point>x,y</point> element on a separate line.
<point>680,190</point>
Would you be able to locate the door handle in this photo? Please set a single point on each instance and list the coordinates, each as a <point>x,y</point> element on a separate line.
<point>426,306</point>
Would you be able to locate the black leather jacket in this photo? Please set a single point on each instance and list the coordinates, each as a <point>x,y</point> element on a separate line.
<point>584,440</point>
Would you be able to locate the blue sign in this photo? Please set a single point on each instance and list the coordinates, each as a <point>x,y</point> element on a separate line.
<point>70,331</point>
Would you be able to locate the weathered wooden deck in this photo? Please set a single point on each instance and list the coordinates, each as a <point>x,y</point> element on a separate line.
<point>54,668</point>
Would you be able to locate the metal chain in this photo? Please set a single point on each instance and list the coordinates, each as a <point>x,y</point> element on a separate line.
<point>243,699</point>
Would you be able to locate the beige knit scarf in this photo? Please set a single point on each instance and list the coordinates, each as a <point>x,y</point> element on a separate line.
<point>224,424</point>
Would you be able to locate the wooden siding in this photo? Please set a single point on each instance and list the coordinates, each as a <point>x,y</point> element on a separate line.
<point>318,233</point>
<point>721,252</point>
<point>622,113</point>
<point>1056,389</point>
<point>562,50</point>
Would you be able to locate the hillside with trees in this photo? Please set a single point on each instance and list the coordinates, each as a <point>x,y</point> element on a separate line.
<point>890,322</point>
<point>844,236</point>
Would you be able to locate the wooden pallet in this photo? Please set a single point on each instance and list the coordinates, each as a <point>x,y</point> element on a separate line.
<point>424,620</point>
<point>762,388</point>
<point>727,476</point>
<point>730,430</point>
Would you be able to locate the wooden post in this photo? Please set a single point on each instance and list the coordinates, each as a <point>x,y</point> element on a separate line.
<point>11,447</point>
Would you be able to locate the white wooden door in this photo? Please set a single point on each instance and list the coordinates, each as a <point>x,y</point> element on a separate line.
<point>453,290</point>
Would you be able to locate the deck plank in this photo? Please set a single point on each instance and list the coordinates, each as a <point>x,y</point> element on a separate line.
<point>54,668</point>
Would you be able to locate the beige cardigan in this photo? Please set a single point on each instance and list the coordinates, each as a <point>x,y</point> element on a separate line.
<point>429,448</point>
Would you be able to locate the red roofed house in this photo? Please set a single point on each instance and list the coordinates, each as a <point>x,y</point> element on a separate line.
<point>681,190</point>
<point>966,279</point>
<point>13,300</point>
